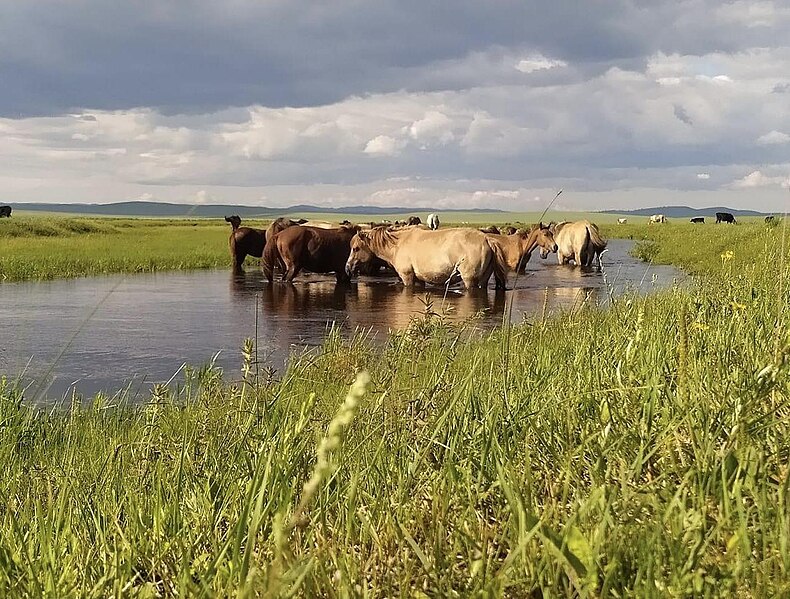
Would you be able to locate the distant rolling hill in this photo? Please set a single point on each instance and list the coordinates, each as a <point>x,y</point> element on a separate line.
<point>163,209</point>
<point>684,211</point>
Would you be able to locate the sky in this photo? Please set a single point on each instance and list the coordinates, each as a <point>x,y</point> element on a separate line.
<point>444,105</point>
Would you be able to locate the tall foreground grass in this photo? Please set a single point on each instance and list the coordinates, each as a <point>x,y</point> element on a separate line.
<point>642,450</point>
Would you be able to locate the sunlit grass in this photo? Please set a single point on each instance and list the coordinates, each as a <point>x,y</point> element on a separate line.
<point>640,450</point>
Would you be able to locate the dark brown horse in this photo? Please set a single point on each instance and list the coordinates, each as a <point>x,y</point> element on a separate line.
<point>308,248</point>
<point>244,241</point>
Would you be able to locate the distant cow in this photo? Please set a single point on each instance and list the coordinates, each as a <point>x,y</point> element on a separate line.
<point>725,217</point>
<point>5,211</point>
<point>433,221</point>
<point>657,218</point>
<point>698,220</point>
<point>413,220</point>
<point>491,229</point>
<point>622,221</point>
<point>770,219</point>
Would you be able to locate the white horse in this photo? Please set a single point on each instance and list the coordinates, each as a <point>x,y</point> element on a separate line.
<point>433,221</point>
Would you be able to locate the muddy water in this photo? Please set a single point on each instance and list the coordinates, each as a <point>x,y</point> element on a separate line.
<point>102,333</point>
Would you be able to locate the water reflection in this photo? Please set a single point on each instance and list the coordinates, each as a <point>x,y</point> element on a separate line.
<point>102,332</point>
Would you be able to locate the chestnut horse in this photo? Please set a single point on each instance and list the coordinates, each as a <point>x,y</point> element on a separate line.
<point>243,242</point>
<point>310,248</point>
<point>517,250</point>
<point>436,257</point>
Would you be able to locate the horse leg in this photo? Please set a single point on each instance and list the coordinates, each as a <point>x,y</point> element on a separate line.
<point>407,276</point>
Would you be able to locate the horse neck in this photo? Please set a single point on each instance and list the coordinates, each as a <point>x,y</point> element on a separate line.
<point>384,245</point>
<point>530,242</point>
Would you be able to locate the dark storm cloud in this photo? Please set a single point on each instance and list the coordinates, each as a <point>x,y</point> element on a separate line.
<point>201,55</point>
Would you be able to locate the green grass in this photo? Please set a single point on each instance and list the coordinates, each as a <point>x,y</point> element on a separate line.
<point>640,450</point>
<point>37,248</point>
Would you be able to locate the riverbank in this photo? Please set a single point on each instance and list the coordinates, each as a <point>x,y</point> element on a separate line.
<point>639,450</point>
<point>52,247</point>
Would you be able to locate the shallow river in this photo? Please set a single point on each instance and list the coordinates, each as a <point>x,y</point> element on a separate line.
<point>101,333</point>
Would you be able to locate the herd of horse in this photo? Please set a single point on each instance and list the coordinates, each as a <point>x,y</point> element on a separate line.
<point>418,253</point>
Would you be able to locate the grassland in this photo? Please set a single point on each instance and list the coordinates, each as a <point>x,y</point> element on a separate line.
<point>638,451</point>
<point>35,247</point>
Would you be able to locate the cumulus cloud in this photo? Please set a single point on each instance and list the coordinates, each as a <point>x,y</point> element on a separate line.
<point>538,62</point>
<point>703,176</point>
<point>773,138</point>
<point>383,145</point>
<point>760,179</point>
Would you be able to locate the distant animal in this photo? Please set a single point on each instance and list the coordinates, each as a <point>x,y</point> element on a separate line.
<point>657,218</point>
<point>516,250</point>
<point>622,221</point>
<point>768,219</point>
<point>310,248</point>
<point>490,229</point>
<point>5,211</point>
<point>429,256</point>
<point>580,241</point>
<point>725,217</point>
<point>509,230</point>
<point>413,220</point>
<point>345,222</point>
<point>698,220</point>
<point>433,221</point>
<point>243,242</point>
<point>400,223</point>
<point>282,223</point>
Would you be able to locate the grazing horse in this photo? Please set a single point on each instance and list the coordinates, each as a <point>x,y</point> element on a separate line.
<point>5,211</point>
<point>517,250</point>
<point>433,221</point>
<point>244,241</point>
<point>491,229</point>
<point>413,220</point>
<point>436,257</point>
<point>725,217</point>
<point>310,248</point>
<point>698,220</point>
<point>579,241</point>
<point>622,221</point>
<point>657,218</point>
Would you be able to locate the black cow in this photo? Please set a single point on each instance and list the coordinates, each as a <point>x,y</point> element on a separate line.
<point>770,219</point>
<point>698,220</point>
<point>414,220</point>
<point>5,211</point>
<point>725,217</point>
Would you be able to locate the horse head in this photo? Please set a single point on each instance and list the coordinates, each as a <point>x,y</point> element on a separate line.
<point>545,240</point>
<point>360,252</point>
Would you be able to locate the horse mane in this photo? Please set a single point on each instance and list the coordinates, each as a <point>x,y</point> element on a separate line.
<point>380,238</point>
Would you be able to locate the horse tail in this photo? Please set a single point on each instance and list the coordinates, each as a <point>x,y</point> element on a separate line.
<point>270,257</point>
<point>597,240</point>
<point>500,265</point>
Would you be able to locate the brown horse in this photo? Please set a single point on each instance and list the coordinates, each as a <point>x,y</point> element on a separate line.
<point>243,242</point>
<point>509,230</point>
<point>437,257</point>
<point>310,248</point>
<point>517,250</point>
<point>579,241</point>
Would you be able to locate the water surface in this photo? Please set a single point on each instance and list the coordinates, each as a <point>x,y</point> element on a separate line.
<point>102,333</point>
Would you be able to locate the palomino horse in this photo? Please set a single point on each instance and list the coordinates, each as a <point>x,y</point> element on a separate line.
<point>433,221</point>
<point>244,241</point>
<point>436,257</point>
<point>309,248</point>
<point>579,241</point>
<point>517,250</point>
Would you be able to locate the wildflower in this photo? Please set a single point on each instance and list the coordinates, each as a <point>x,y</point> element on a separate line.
<point>728,255</point>
<point>700,326</point>
<point>737,306</point>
